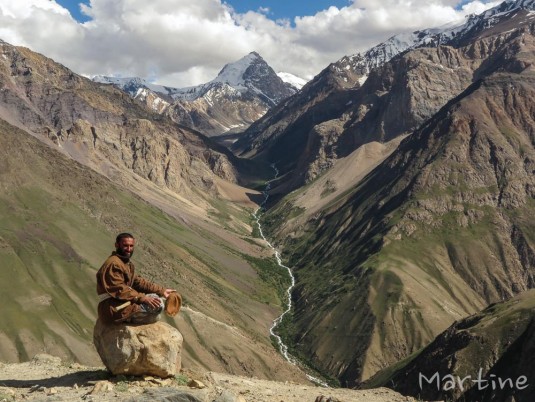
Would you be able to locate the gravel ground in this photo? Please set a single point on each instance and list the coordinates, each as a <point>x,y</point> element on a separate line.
<point>47,378</point>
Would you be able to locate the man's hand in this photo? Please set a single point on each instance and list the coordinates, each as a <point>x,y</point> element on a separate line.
<point>153,302</point>
<point>168,292</point>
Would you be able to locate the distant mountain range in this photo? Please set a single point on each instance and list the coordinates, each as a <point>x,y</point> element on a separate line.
<point>241,93</point>
<point>449,35</point>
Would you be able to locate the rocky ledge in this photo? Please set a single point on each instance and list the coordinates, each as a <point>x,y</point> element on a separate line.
<point>49,378</point>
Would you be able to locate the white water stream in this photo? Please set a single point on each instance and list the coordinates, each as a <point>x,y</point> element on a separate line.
<point>282,347</point>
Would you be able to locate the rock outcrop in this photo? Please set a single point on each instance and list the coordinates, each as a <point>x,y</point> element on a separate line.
<point>48,378</point>
<point>153,349</point>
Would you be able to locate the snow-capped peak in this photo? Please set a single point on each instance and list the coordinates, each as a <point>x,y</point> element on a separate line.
<point>233,73</point>
<point>447,34</point>
<point>293,80</point>
<point>251,74</point>
<point>131,85</point>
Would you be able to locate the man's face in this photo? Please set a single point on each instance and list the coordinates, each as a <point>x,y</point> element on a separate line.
<point>125,247</point>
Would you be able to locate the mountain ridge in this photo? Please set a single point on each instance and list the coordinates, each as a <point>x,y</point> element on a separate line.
<point>103,127</point>
<point>491,350</point>
<point>241,93</point>
<point>332,105</point>
<point>363,268</point>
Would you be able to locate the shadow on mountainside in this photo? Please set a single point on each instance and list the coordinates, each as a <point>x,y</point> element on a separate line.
<point>256,198</point>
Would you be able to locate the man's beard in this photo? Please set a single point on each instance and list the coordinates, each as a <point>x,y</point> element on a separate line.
<point>123,253</point>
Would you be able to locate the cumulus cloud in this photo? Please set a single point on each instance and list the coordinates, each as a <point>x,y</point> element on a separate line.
<point>184,42</point>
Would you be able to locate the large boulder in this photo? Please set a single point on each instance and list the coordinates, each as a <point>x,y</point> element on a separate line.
<point>153,349</point>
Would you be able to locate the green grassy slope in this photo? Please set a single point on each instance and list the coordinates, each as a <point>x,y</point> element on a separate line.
<point>58,221</point>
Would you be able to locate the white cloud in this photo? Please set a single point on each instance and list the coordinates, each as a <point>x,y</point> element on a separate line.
<point>184,42</point>
<point>477,7</point>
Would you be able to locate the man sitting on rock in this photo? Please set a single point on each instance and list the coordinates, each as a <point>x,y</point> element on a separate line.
<point>126,297</point>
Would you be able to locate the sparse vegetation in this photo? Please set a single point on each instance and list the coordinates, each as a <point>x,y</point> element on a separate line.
<point>328,188</point>
<point>121,386</point>
<point>6,397</point>
<point>181,379</point>
<point>58,225</point>
<point>255,232</point>
<point>274,276</point>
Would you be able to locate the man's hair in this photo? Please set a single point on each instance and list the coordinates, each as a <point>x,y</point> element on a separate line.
<point>122,236</point>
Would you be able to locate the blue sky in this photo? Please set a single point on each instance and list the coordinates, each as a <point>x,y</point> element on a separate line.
<point>288,9</point>
<point>186,42</point>
<point>278,9</point>
<point>74,8</point>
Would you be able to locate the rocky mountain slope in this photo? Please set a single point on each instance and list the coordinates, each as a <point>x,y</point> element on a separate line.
<point>241,93</point>
<point>437,231</point>
<point>492,351</point>
<point>379,95</point>
<point>104,128</point>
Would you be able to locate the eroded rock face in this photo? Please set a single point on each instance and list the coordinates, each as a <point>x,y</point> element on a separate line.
<point>153,349</point>
<point>104,129</point>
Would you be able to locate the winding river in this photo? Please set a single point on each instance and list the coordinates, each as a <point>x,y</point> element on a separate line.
<point>282,346</point>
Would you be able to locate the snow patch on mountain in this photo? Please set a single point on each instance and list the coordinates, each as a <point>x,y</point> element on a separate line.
<point>293,80</point>
<point>131,85</point>
<point>251,74</point>
<point>233,74</point>
<point>447,34</point>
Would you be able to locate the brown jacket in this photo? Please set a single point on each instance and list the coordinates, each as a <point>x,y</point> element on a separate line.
<point>117,279</point>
